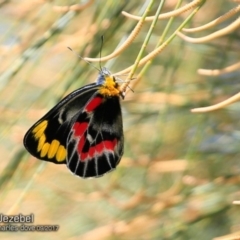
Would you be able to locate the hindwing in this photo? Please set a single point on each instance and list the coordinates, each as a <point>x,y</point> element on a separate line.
<point>95,143</point>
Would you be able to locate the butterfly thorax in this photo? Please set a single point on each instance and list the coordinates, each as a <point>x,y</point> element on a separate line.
<point>109,87</point>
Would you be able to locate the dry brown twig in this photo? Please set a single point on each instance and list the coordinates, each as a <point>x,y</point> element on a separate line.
<point>144,60</point>
<point>174,13</point>
<point>217,72</point>
<point>220,105</point>
<point>215,22</point>
<point>230,28</point>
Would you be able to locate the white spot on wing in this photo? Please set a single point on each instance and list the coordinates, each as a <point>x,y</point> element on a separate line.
<point>89,138</point>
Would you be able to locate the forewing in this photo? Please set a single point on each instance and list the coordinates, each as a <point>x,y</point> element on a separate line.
<point>95,144</point>
<point>47,138</point>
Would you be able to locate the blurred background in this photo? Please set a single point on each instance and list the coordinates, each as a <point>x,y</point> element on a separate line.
<point>180,171</point>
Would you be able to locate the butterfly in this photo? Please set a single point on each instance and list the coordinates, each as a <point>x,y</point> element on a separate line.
<point>84,130</point>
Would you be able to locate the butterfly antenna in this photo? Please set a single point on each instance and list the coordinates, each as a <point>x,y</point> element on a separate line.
<point>121,81</point>
<point>130,88</point>
<point>78,55</point>
<point>100,53</point>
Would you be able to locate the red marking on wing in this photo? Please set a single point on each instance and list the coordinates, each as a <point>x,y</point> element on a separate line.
<point>91,152</point>
<point>99,148</point>
<point>110,145</point>
<point>83,156</point>
<point>80,129</point>
<point>81,144</point>
<point>96,101</point>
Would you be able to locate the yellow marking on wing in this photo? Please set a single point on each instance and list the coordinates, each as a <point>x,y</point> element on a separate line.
<point>39,129</point>
<point>110,87</point>
<point>53,148</point>
<point>61,153</point>
<point>38,134</point>
<point>41,142</point>
<point>44,150</point>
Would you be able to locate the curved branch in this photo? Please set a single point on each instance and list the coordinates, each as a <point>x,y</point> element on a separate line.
<point>230,28</point>
<point>214,22</point>
<point>145,59</point>
<point>217,72</point>
<point>168,14</point>
<point>129,40</point>
<point>220,105</point>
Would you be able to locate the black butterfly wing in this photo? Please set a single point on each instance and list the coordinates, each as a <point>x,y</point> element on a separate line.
<point>47,138</point>
<point>95,142</point>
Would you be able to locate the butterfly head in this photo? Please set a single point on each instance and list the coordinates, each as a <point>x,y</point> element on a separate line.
<point>108,84</point>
